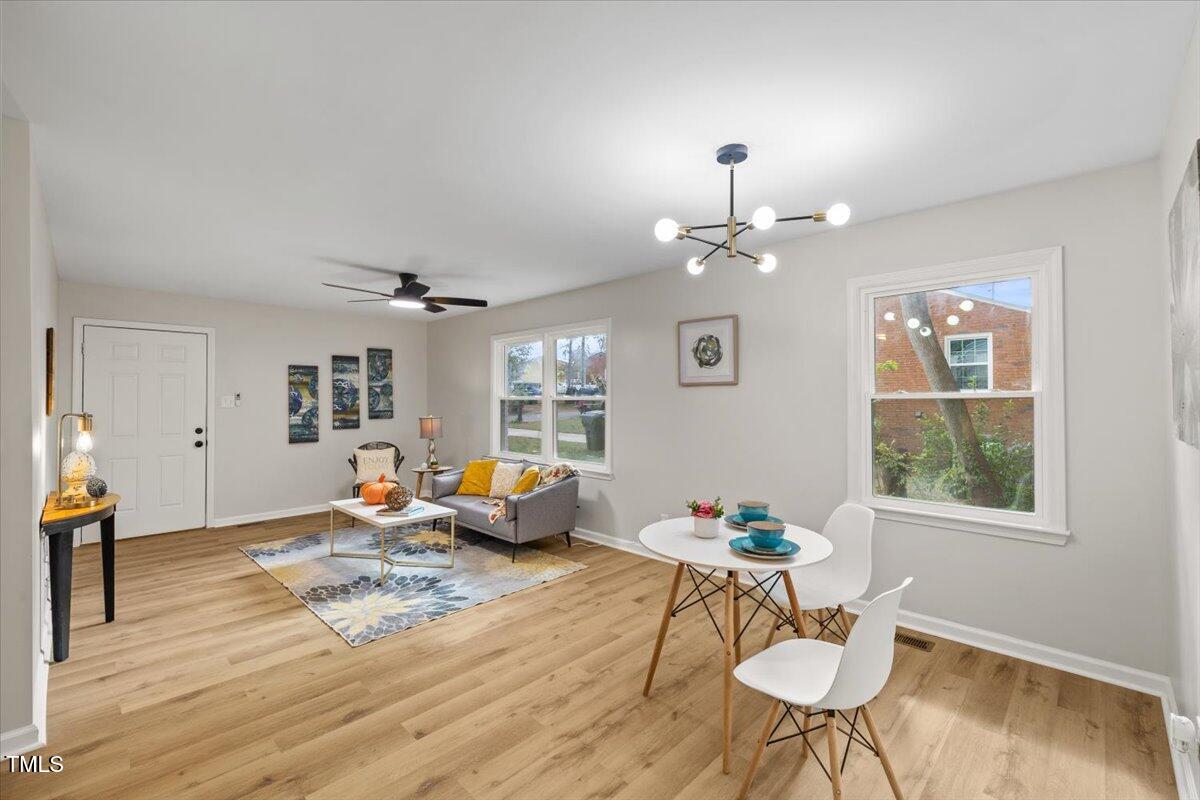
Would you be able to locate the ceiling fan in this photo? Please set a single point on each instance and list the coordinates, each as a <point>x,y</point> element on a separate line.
<point>411,294</point>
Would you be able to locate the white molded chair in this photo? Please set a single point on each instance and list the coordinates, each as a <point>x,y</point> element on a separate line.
<point>826,586</point>
<point>830,680</point>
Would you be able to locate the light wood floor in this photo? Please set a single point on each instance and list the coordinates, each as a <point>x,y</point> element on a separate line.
<point>214,682</point>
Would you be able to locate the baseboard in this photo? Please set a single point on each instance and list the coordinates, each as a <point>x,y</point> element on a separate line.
<point>264,516</point>
<point>20,740</point>
<point>1186,779</point>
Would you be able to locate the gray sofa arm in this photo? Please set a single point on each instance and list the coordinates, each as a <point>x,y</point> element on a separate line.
<point>445,483</point>
<point>545,511</point>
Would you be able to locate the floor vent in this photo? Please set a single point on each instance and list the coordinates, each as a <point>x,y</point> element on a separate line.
<point>912,641</point>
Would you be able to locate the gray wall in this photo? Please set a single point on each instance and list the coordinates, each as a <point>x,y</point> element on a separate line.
<point>781,433</point>
<point>28,285</point>
<point>257,471</point>
<point>1184,462</point>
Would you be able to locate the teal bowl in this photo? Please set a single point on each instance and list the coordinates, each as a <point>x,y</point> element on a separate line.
<point>765,535</point>
<point>754,510</point>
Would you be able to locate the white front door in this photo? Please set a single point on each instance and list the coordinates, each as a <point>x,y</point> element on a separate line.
<point>148,392</point>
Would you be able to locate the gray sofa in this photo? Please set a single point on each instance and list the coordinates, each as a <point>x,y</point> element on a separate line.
<point>546,511</point>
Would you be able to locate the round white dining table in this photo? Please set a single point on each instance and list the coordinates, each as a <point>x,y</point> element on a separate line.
<point>701,560</point>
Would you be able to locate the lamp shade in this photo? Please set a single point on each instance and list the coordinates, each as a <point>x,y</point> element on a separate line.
<point>431,427</point>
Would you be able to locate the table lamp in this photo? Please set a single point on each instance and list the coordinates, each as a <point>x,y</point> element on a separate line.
<point>431,428</point>
<point>78,466</point>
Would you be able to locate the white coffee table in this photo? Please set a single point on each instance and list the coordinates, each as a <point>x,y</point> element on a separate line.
<point>356,508</point>
<point>701,560</point>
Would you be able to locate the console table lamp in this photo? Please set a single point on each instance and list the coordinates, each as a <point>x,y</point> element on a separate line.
<point>431,428</point>
<point>72,492</point>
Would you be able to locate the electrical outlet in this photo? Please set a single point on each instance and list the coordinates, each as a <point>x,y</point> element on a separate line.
<point>1183,733</point>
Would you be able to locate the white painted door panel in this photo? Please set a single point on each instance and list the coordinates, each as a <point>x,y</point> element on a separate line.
<point>148,391</point>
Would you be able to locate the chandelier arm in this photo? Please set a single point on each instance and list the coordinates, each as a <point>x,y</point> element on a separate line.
<point>793,219</point>
<point>724,244</point>
<point>708,227</point>
<point>705,241</point>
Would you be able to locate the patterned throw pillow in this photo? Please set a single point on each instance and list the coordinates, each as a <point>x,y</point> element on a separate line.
<point>477,477</point>
<point>556,473</point>
<point>371,463</point>
<point>527,482</point>
<point>504,477</point>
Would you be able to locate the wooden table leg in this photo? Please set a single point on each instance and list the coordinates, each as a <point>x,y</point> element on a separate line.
<point>730,633</point>
<point>420,481</point>
<point>801,626</point>
<point>737,620</point>
<point>61,554</point>
<point>108,537</point>
<point>662,628</point>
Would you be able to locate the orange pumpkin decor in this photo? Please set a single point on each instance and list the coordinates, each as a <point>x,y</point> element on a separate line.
<point>375,492</point>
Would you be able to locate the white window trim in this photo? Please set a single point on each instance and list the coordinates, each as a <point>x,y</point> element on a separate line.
<point>549,393</point>
<point>1048,524</point>
<point>991,356</point>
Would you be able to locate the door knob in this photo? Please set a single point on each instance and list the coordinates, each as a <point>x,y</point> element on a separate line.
<point>199,431</point>
<point>199,443</point>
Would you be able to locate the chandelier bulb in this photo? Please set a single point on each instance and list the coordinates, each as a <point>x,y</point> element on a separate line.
<point>695,266</point>
<point>763,218</point>
<point>666,229</point>
<point>766,263</point>
<point>838,214</point>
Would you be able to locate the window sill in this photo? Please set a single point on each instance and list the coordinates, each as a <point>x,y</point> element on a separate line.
<point>962,524</point>
<point>585,470</point>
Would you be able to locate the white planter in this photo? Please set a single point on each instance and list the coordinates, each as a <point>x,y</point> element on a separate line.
<point>706,527</point>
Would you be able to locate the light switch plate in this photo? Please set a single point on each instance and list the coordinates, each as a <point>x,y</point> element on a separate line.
<point>227,401</point>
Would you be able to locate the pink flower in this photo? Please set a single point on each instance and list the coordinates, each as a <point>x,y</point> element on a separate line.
<point>704,509</point>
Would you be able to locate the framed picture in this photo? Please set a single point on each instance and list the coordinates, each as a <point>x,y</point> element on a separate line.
<point>379,383</point>
<point>345,392</point>
<point>49,372</point>
<point>708,351</point>
<point>302,404</point>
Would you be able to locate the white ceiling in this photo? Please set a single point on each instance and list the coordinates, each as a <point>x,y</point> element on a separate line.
<point>508,151</point>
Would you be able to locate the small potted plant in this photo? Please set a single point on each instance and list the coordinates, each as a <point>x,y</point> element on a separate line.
<point>706,517</point>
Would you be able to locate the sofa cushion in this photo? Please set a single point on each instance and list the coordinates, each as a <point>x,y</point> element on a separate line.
<point>473,512</point>
<point>527,482</point>
<point>477,477</point>
<point>504,477</point>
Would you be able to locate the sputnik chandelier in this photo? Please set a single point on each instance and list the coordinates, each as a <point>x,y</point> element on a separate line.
<point>763,218</point>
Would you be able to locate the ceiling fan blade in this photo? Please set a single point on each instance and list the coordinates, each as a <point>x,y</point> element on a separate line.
<point>355,289</point>
<point>414,289</point>
<point>434,307</point>
<point>457,301</point>
<point>372,300</point>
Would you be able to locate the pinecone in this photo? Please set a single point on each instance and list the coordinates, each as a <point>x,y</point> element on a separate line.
<point>398,498</point>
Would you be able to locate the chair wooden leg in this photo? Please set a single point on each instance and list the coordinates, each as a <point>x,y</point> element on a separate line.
<point>758,751</point>
<point>801,626</point>
<point>662,628</point>
<point>770,635</point>
<point>835,772</point>
<point>883,758</point>
<point>845,620</point>
<point>737,621</point>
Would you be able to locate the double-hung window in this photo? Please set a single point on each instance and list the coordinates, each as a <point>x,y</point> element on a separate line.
<point>956,396</point>
<point>551,396</point>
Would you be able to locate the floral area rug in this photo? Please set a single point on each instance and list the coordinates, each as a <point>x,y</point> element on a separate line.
<point>346,595</point>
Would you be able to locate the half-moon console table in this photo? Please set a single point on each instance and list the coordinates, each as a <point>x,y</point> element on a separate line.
<point>58,525</point>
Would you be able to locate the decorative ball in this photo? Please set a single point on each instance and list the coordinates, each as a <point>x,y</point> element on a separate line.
<point>78,466</point>
<point>398,498</point>
<point>96,487</point>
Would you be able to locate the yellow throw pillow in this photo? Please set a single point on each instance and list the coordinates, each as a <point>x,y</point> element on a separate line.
<point>477,477</point>
<point>527,481</point>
